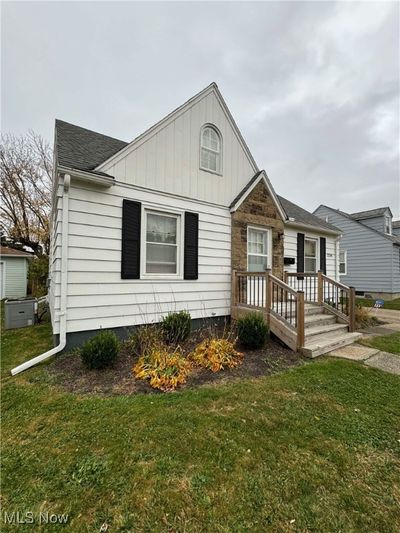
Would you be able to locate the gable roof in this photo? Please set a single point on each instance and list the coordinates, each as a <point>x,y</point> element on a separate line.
<point>391,238</point>
<point>371,213</point>
<point>259,176</point>
<point>301,216</point>
<point>82,149</point>
<point>5,250</point>
<point>212,88</point>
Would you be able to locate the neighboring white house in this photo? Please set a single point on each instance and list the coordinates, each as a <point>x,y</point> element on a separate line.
<point>14,265</point>
<point>143,228</point>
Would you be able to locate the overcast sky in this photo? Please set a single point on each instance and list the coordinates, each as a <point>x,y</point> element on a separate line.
<point>313,86</point>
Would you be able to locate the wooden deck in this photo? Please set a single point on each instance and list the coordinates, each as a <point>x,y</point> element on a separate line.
<point>292,306</point>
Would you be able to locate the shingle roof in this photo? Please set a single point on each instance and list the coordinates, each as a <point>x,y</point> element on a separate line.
<point>395,240</point>
<point>370,213</point>
<point>396,224</point>
<point>302,216</point>
<point>83,149</point>
<point>4,250</point>
<point>292,210</point>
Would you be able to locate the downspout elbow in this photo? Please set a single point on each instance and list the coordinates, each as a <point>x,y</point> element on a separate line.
<point>63,296</point>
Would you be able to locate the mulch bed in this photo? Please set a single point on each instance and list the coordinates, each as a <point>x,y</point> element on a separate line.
<point>68,372</point>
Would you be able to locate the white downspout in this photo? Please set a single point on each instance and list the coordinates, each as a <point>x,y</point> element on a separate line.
<point>64,284</point>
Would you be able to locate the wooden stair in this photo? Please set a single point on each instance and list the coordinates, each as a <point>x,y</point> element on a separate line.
<point>323,331</point>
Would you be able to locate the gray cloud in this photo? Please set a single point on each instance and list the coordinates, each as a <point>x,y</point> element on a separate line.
<point>314,87</point>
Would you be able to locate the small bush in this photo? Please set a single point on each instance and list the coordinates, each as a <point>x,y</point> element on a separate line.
<point>165,370</point>
<point>144,340</point>
<point>364,319</point>
<point>252,330</point>
<point>176,326</point>
<point>100,351</point>
<point>216,354</point>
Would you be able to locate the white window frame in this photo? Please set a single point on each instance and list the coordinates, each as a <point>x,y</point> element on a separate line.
<point>180,231</point>
<point>268,255</point>
<point>389,225</point>
<point>218,172</point>
<point>343,262</point>
<point>309,256</point>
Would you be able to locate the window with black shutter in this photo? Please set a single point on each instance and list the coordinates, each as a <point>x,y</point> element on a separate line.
<point>322,254</point>
<point>191,246</point>
<point>300,252</point>
<point>130,246</point>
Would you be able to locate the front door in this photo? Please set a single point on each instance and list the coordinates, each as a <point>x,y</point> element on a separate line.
<point>259,258</point>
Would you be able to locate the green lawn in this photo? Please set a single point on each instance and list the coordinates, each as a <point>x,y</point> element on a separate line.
<point>386,343</point>
<point>316,448</point>
<point>389,304</point>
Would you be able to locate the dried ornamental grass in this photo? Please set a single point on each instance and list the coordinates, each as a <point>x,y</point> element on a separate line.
<point>165,370</point>
<point>216,354</point>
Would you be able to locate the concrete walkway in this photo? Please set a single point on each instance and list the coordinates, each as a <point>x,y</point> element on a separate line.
<point>389,362</point>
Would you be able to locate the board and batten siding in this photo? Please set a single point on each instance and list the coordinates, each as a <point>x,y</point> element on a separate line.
<point>98,298</point>
<point>15,272</point>
<point>290,249</point>
<point>169,159</point>
<point>369,255</point>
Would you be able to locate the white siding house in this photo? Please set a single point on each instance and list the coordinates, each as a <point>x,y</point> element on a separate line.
<point>144,228</point>
<point>14,265</point>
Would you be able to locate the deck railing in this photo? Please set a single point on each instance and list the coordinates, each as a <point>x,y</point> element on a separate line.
<point>265,292</point>
<point>322,290</point>
<point>283,302</point>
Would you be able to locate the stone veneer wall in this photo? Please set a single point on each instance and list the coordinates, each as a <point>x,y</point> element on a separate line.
<point>258,209</point>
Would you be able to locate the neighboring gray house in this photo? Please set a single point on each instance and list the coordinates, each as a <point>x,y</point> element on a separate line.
<point>14,265</point>
<point>369,250</point>
<point>396,228</point>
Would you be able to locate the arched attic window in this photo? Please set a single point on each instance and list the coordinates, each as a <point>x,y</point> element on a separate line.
<point>211,149</point>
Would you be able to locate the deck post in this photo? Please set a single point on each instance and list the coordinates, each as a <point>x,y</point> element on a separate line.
<point>320,288</point>
<point>285,277</point>
<point>352,309</point>
<point>268,295</point>
<point>233,294</point>
<point>300,319</point>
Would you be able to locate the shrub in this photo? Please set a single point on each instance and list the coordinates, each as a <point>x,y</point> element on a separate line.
<point>176,326</point>
<point>144,340</point>
<point>216,354</point>
<point>252,330</point>
<point>100,351</point>
<point>165,370</point>
<point>363,317</point>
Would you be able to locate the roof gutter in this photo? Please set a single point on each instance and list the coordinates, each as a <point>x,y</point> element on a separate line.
<point>64,279</point>
<point>321,229</point>
<point>105,181</point>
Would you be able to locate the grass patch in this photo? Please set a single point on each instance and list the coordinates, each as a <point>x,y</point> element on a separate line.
<point>385,343</point>
<point>311,449</point>
<point>389,304</point>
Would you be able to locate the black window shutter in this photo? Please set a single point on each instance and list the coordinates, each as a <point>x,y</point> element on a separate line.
<point>130,247</point>
<point>322,254</point>
<point>191,246</point>
<point>300,252</point>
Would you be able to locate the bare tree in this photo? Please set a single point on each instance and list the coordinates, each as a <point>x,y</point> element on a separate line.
<point>25,189</point>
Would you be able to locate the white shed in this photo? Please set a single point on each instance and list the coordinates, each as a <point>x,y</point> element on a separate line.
<point>14,266</point>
